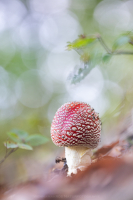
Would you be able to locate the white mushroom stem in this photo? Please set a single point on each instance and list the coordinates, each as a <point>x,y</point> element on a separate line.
<point>77,158</point>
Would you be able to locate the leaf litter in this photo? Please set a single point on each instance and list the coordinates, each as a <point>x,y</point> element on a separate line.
<point>110,176</point>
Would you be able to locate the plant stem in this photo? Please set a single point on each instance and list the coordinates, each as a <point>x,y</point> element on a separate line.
<point>8,154</point>
<point>104,45</point>
<point>122,53</point>
<point>109,51</point>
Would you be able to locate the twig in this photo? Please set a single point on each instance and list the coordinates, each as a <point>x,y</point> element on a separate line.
<point>6,147</point>
<point>109,51</point>
<point>131,42</point>
<point>122,52</point>
<point>104,45</point>
<point>7,154</point>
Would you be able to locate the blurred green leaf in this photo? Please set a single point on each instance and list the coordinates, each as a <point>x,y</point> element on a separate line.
<point>77,75</point>
<point>24,146</point>
<point>81,42</point>
<point>10,144</point>
<point>13,136</point>
<point>18,135</point>
<point>122,40</point>
<point>21,134</point>
<point>35,140</point>
<point>106,57</point>
<point>85,68</point>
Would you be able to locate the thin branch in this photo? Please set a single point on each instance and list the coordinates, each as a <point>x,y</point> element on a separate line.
<point>122,53</point>
<point>104,45</point>
<point>8,154</point>
<point>131,42</point>
<point>6,147</point>
<point>109,51</point>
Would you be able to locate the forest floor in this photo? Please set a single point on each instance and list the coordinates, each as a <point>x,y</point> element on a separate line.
<point>110,176</point>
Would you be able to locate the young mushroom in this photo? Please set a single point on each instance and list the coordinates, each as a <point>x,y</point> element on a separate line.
<point>77,127</point>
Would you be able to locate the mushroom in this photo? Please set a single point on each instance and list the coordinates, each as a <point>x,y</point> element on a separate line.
<point>77,127</point>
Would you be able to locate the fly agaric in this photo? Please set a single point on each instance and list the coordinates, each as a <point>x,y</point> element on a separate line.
<point>77,127</point>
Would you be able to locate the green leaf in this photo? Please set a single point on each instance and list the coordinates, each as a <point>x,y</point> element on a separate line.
<point>85,68</point>
<point>80,43</point>
<point>81,73</point>
<point>21,134</point>
<point>106,57</point>
<point>35,140</point>
<point>24,146</point>
<point>122,40</point>
<point>13,136</point>
<point>10,144</point>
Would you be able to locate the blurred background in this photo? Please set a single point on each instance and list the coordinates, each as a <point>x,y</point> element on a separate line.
<point>34,66</point>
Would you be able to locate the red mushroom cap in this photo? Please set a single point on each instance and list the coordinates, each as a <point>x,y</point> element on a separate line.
<point>76,124</point>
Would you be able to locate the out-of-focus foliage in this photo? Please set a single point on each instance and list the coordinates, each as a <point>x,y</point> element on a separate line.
<point>122,40</point>
<point>91,59</point>
<point>22,140</point>
<point>78,75</point>
<point>36,140</point>
<point>81,42</point>
<point>9,144</point>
